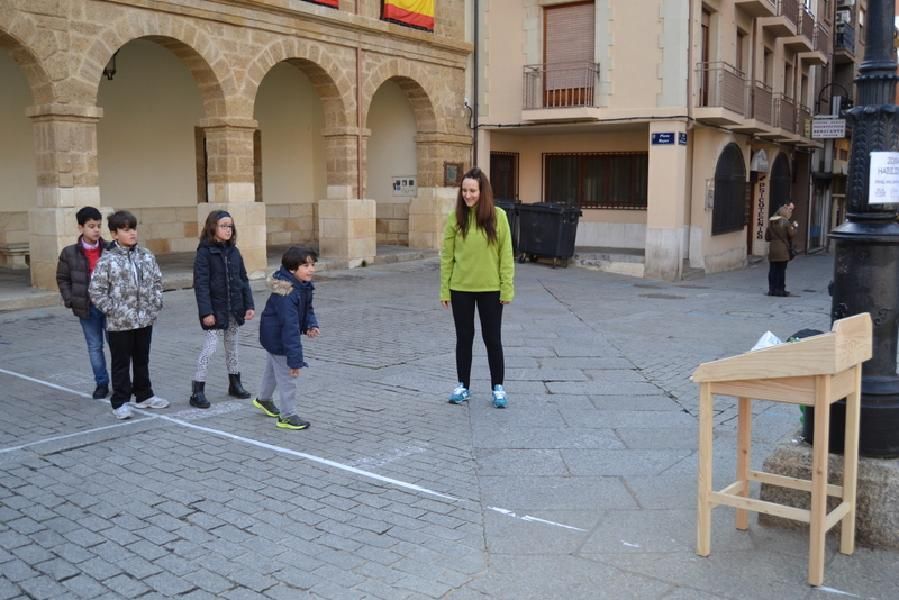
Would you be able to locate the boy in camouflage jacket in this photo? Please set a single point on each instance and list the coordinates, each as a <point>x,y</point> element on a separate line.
<point>126,286</point>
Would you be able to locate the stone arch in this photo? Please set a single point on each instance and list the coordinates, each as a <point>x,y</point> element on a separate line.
<point>15,38</point>
<point>330,80</point>
<point>195,49</point>
<point>408,77</point>
<point>781,183</point>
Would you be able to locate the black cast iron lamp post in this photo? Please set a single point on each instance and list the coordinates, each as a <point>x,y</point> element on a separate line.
<point>866,266</point>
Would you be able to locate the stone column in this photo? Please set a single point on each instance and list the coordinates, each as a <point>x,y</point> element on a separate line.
<point>346,223</point>
<point>65,144</point>
<point>427,212</point>
<point>667,203</point>
<point>230,183</point>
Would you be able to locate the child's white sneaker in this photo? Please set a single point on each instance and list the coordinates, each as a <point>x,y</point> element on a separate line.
<point>122,412</point>
<point>151,402</point>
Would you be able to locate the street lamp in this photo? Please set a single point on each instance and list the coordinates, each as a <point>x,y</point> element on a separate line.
<point>866,265</point>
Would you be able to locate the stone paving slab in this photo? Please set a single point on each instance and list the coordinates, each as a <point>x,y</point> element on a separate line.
<point>583,488</point>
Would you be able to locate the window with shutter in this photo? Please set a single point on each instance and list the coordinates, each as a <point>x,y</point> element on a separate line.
<point>568,55</point>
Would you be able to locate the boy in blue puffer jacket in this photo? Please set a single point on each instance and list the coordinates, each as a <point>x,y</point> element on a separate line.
<point>288,314</point>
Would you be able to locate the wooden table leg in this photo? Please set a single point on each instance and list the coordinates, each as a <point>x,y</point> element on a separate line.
<point>819,481</point>
<point>744,454</point>
<point>850,464</point>
<point>704,509</point>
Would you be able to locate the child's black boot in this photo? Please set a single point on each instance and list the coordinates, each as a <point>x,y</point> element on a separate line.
<point>235,389</point>
<point>198,394</point>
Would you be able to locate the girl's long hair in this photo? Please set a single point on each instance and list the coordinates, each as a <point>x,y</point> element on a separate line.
<point>212,223</point>
<point>485,215</point>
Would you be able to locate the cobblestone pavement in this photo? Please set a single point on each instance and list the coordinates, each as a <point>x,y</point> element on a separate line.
<point>583,488</point>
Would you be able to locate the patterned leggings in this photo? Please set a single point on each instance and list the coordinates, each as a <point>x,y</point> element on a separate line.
<point>209,346</point>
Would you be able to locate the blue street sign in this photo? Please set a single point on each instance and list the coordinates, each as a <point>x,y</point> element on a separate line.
<point>663,139</point>
<point>682,138</point>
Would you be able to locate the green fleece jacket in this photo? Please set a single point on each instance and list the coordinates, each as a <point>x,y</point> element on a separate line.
<point>470,264</point>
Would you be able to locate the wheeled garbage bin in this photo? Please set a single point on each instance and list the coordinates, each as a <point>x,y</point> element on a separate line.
<point>547,230</point>
<point>511,208</point>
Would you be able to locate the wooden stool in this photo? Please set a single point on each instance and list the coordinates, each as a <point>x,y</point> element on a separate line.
<point>816,371</point>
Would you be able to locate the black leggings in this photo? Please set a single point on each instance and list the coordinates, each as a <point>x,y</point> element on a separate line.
<point>490,310</point>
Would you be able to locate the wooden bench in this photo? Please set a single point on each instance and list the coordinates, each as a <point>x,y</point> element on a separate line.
<point>816,371</point>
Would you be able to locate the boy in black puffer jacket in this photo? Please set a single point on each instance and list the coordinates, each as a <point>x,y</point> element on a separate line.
<point>288,314</point>
<point>73,276</point>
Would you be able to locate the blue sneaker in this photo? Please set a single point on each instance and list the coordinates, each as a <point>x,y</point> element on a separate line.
<point>499,397</point>
<point>460,394</point>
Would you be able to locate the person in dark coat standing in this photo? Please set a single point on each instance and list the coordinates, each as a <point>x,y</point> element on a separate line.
<point>73,276</point>
<point>780,233</point>
<point>224,301</point>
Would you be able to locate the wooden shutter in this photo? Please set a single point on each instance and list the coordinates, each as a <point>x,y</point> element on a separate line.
<point>568,38</point>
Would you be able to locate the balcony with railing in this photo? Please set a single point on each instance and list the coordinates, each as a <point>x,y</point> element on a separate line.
<point>722,94</point>
<point>785,22</point>
<point>758,8</point>
<point>844,43</point>
<point>785,113</point>
<point>803,121</point>
<point>761,100</point>
<point>803,40</point>
<point>560,85</point>
<point>823,40</point>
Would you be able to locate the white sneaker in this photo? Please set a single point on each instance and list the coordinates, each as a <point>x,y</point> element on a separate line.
<point>123,412</point>
<point>151,402</point>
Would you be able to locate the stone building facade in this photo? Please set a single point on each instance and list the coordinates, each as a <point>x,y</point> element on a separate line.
<point>344,57</point>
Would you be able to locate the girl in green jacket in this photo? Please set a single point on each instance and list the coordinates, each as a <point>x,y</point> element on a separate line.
<point>477,269</point>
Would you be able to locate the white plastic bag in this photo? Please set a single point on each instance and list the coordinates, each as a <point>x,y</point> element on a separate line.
<point>768,339</point>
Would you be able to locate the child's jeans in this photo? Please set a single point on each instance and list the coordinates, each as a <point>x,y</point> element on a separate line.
<point>94,328</point>
<point>127,349</point>
<point>277,375</point>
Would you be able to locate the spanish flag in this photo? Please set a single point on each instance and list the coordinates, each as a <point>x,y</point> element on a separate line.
<point>415,13</point>
<point>331,3</point>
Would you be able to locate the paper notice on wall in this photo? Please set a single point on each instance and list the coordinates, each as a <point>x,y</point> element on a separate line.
<point>883,181</point>
<point>404,186</point>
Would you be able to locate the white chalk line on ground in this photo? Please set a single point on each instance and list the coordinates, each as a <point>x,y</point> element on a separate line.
<point>279,449</point>
<point>71,435</point>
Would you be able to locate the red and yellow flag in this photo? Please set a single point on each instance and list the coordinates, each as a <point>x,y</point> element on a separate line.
<point>331,3</point>
<point>416,13</point>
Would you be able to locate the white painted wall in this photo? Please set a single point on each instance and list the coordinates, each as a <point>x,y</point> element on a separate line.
<point>18,180</point>
<point>391,147</point>
<point>291,119</point>
<point>145,140</point>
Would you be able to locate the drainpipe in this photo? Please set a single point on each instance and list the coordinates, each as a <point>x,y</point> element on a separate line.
<point>474,86</point>
<point>689,220</point>
<point>359,121</point>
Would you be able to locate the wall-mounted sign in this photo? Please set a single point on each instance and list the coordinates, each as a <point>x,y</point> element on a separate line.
<point>828,128</point>
<point>883,180</point>
<point>404,185</point>
<point>759,162</point>
<point>682,138</point>
<point>662,139</point>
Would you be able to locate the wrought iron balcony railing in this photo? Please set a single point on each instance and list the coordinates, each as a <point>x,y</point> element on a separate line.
<point>806,23</point>
<point>803,115</point>
<point>722,85</point>
<point>560,85</point>
<point>785,112</point>
<point>790,10</point>
<point>823,40</point>
<point>761,101</point>
<point>845,38</point>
